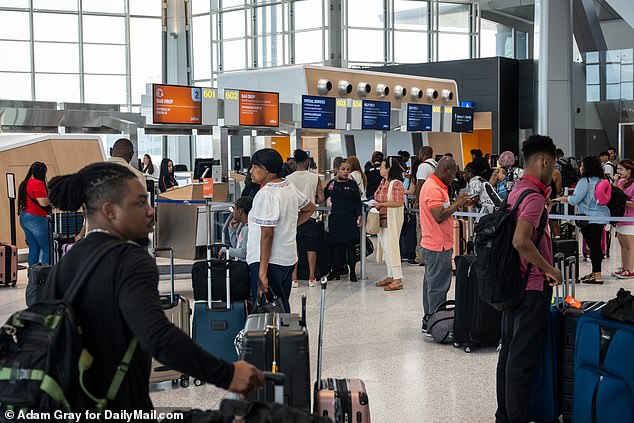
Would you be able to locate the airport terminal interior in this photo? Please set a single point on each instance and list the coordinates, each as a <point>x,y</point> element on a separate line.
<point>199,86</point>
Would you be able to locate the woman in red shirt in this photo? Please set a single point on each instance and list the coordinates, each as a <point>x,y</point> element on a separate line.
<point>33,208</point>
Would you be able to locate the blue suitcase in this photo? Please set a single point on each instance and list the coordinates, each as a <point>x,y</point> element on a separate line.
<point>217,323</point>
<point>604,370</point>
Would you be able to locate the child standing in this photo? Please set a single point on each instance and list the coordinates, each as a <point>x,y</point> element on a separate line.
<point>344,220</point>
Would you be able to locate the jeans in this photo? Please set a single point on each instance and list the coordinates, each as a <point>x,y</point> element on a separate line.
<point>280,282</point>
<point>437,279</point>
<point>523,330</point>
<point>593,234</point>
<point>37,237</point>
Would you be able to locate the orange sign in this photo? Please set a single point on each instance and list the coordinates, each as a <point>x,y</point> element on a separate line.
<point>208,187</point>
<point>259,108</point>
<point>177,104</point>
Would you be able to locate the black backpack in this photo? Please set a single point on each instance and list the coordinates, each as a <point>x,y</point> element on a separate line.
<point>500,282</point>
<point>42,357</point>
<point>569,175</point>
<point>617,203</point>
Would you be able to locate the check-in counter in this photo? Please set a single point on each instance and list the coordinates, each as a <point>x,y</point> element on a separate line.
<point>182,222</point>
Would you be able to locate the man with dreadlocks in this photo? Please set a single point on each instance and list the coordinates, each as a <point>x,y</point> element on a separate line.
<point>120,300</point>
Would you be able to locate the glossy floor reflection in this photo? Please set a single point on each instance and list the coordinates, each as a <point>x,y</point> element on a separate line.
<point>375,335</point>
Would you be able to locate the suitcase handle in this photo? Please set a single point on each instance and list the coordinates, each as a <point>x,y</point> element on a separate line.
<point>171,251</point>
<point>278,380</point>
<point>322,308</point>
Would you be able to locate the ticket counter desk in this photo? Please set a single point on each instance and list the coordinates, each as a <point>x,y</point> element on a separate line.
<point>181,221</point>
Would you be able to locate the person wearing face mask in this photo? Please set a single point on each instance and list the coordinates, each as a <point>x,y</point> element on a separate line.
<point>344,220</point>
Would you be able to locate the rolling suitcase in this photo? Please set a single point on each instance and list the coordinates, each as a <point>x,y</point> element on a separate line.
<point>569,248</point>
<point>178,312</point>
<point>604,370</point>
<point>343,400</point>
<point>459,240</point>
<point>8,265</point>
<point>217,323</point>
<point>407,239</point>
<point>37,275</point>
<point>476,322</point>
<point>279,342</point>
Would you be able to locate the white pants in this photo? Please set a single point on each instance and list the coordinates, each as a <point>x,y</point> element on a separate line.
<point>392,271</point>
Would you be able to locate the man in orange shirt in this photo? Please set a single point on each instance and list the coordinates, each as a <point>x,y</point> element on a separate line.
<point>437,234</point>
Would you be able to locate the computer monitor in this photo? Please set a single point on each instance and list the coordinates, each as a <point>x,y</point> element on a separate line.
<point>246,162</point>
<point>200,165</point>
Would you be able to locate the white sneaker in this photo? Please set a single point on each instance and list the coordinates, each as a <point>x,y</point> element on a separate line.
<point>295,284</point>
<point>312,283</point>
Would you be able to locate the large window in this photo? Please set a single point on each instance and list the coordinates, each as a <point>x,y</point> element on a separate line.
<point>496,40</point>
<point>610,75</point>
<point>234,35</point>
<point>90,51</point>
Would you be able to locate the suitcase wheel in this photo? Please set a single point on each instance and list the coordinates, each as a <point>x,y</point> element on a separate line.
<point>174,383</point>
<point>467,350</point>
<point>198,382</point>
<point>184,382</point>
<point>456,344</point>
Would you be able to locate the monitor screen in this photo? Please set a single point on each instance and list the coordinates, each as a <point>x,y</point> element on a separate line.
<point>259,108</point>
<point>318,112</point>
<point>461,119</point>
<point>375,115</point>
<point>200,165</point>
<point>176,104</point>
<point>418,117</point>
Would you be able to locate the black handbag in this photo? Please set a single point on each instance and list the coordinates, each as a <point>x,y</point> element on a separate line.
<point>369,248</point>
<point>620,308</point>
<point>268,302</point>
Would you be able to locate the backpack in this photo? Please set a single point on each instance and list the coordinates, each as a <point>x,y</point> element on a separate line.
<point>500,282</point>
<point>617,203</point>
<point>568,169</point>
<point>42,357</point>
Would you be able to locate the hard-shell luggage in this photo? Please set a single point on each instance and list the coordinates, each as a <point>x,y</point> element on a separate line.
<point>606,240</point>
<point>177,311</point>
<point>475,322</point>
<point>569,248</point>
<point>37,275</point>
<point>8,265</point>
<point>604,370</point>
<point>278,342</point>
<point>217,323</point>
<point>343,400</point>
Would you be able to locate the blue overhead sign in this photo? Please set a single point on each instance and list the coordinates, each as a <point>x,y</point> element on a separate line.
<point>376,115</point>
<point>318,112</point>
<point>419,117</point>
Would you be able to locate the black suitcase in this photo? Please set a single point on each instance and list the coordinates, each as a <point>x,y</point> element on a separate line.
<point>570,317</point>
<point>240,282</point>
<point>570,248</point>
<point>475,322</point>
<point>37,275</point>
<point>407,240</point>
<point>278,342</point>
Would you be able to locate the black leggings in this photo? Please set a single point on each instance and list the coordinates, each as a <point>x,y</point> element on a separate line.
<point>344,253</point>
<point>593,234</point>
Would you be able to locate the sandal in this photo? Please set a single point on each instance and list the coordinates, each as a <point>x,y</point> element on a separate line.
<point>393,287</point>
<point>384,282</point>
<point>593,281</point>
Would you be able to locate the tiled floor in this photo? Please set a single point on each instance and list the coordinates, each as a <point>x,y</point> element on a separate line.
<point>375,335</point>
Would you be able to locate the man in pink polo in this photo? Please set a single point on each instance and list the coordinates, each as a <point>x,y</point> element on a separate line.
<point>437,234</point>
<point>524,326</point>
